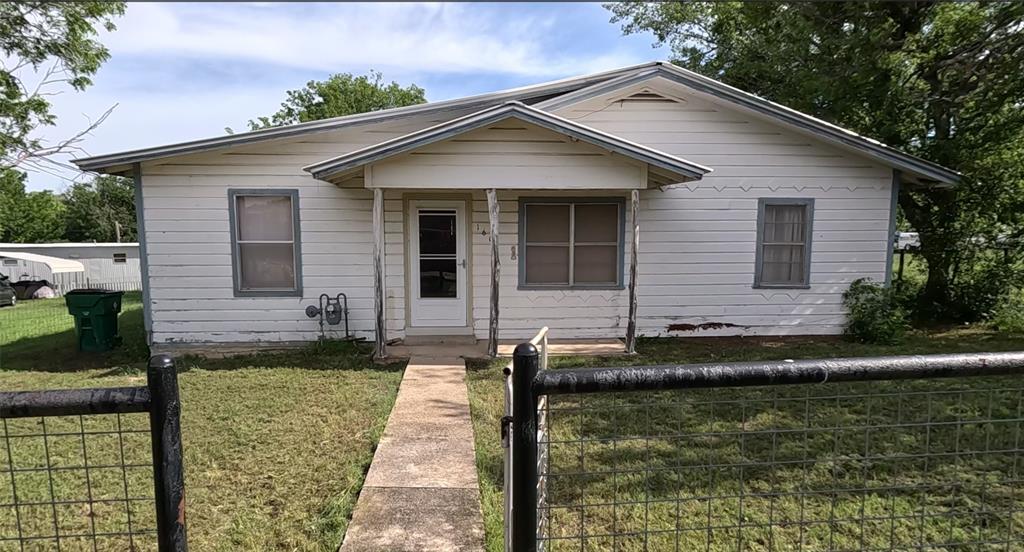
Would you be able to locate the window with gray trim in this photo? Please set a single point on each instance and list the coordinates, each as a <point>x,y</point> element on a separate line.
<point>784,229</point>
<point>571,243</point>
<point>265,242</point>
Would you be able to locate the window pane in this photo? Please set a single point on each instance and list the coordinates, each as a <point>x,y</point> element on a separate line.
<point>266,265</point>
<point>264,218</point>
<point>438,278</point>
<point>596,264</point>
<point>437,233</point>
<point>547,265</point>
<point>784,223</point>
<point>547,223</point>
<point>597,223</point>
<point>782,264</point>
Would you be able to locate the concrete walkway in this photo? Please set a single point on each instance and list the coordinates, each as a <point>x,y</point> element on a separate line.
<point>421,492</point>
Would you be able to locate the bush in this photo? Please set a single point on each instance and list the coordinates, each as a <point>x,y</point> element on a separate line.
<point>1008,316</point>
<point>873,313</point>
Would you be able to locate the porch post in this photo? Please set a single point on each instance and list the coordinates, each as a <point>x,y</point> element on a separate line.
<point>492,327</point>
<point>631,326</point>
<point>379,299</point>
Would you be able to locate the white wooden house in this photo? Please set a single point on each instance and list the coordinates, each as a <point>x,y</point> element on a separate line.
<point>647,200</point>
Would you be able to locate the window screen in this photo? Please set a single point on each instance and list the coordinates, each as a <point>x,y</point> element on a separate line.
<point>575,243</point>
<point>784,232</point>
<point>265,242</point>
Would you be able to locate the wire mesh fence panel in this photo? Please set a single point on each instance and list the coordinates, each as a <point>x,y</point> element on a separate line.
<point>34,319</point>
<point>77,483</point>
<point>878,465</point>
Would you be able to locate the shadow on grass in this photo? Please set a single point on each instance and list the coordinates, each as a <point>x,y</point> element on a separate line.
<point>321,355</point>
<point>58,351</point>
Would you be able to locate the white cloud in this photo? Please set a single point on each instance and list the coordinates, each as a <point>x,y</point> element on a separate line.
<point>450,38</point>
<point>185,71</point>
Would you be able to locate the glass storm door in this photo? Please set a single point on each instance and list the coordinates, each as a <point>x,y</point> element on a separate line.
<point>437,263</point>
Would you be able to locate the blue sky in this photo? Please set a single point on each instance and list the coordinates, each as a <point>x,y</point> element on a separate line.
<point>185,71</point>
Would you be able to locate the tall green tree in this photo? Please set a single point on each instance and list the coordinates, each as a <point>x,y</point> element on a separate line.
<point>939,80</point>
<point>28,217</point>
<point>95,209</point>
<point>339,95</point>
<point>45,46</point>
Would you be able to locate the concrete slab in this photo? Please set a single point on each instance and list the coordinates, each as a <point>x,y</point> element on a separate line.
<point>414,520</point>
<point>556,347</point>
<point>422,490</point>
<point>426,462</point>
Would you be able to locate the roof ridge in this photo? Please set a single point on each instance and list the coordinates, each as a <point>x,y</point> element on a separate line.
<point>104,161</point>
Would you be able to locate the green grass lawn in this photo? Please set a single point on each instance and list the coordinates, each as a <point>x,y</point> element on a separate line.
<point>276,444</point>
<point>40,335</point>
<point>720,464</point>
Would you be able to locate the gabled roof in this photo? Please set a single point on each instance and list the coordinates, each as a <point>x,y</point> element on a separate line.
<point>517,110</point>
<point>827,131</point>
<point>551,96</point>
<point>530,93</point>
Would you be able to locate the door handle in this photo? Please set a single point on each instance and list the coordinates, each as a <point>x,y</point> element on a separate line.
<point>462,263</point>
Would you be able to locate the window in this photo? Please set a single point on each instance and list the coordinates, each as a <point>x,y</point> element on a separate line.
<point>10,262</point>
<point>120,257</point>
<point>265,242</point>
<point>570,243</point>
<point>784,243</point>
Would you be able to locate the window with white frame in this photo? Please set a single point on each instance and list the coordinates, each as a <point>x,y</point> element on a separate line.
<point>265,242</point>
<point>120,258</point>
<point>571,243</point>
<point>784,229</point>
<point>10,262</point>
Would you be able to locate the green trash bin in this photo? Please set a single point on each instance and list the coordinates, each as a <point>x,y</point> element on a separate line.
<point>95,312</point>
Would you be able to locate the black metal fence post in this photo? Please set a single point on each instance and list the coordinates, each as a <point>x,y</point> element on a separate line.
<point>525,363</point>
<point>168,474</point>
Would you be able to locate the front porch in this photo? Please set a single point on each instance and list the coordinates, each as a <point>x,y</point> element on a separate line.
<point>506,220</point>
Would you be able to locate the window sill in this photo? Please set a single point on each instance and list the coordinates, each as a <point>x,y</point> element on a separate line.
<point>524,287</point>
<point>268,293</point>
<point>781,286</point>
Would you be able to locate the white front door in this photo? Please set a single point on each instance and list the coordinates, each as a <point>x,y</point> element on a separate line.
<point>437,267</point>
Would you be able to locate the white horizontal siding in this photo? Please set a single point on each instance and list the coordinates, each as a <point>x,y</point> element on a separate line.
<point>698,240</point>
<point>511,155</point>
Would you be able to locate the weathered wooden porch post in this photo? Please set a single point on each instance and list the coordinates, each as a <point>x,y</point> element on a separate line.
<point>379,299</point>
<point>631,325</point>
<point>492,327</point>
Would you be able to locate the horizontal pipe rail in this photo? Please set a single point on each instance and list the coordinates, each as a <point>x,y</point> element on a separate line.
<point>74,402</point>
<point>741,374</point>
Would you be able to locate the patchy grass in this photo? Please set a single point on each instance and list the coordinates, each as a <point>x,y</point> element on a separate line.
<point>759,409</point>
<point>40,335</point>
<point>276,445</point>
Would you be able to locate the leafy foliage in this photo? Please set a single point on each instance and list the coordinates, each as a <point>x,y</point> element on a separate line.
<point>1008,316</point>
<point>86,212</point>
<point>939,80</point>
<point>339,95</point>
<point>95,208</point>
<point>37,217</point>
<point>59,36</point>
<point>873,313</point>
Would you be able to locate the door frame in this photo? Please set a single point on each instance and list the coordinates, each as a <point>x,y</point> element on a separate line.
<point>407,201</point>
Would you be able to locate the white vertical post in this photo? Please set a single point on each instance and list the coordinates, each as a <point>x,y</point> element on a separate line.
<point>492,327</point>
<point>379,298</point>
<point>631,325</point>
